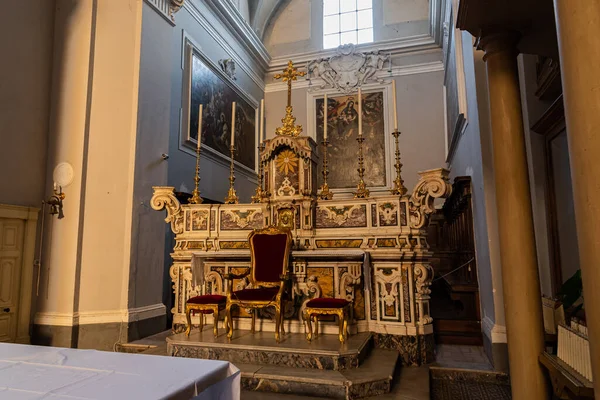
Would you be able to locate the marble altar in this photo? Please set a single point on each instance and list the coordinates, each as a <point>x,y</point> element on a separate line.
<point>372,251</point>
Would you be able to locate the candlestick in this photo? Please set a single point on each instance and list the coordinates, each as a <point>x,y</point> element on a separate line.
<point>260,194</point>
<point>232,197</point>
<point>394,103</point>
<point>399,188</point>
<point>325,110</point>
<point>359,112</point>
<point>232,125</point>
<point>361,190</point>
<point>196,199</point>
<point>262,121</point>
<point>324,192</point>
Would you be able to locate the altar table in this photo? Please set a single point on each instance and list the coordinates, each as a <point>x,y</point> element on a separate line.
<point>36,372</point>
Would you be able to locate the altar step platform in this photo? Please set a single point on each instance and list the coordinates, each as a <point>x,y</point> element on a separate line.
<point>323,368</point>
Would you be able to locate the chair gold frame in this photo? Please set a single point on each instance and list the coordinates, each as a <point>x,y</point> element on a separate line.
<point>314,312</point>
<point>277,301</point>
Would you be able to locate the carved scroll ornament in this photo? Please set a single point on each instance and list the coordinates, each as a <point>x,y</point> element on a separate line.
<point>164,197</point>
<point>348,69</point>
<point>423,274</point>
<point>433,184</point>
<point>174,6</point>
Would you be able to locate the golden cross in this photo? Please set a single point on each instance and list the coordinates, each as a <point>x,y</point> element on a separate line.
<point>290,74</point>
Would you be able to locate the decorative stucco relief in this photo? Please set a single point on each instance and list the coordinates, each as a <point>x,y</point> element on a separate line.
<point>348,69</point>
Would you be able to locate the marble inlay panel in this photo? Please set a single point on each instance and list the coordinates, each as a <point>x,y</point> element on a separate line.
<point>359,302</point>
<point>388,214</point>
<point>324,279</point>
<point>414,350</point>
<point>369,389</point>
<point>292,387</point>
<point>241,219</point>
<point>403,221</point>
<point>288,359</point>
<point>351,216</point>
<point>198,220</point>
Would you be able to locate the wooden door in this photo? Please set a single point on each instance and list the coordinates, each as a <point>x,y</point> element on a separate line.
<point>11,256</point>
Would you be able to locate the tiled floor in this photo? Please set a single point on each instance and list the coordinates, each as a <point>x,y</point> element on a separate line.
<point>463,357</point>
<point>443,389</point>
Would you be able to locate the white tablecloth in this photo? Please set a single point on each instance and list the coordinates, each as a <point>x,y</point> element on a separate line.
<point>36,372</point>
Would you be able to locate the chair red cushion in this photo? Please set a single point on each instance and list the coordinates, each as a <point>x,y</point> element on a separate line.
<point>326,302</point>
<point>258,294</point>
<point>208,299</point>
<point>269,256</point>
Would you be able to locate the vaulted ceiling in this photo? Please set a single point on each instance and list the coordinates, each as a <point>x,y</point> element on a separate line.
<point>262,12</point>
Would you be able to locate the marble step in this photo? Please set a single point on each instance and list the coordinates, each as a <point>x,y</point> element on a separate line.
<point>374,377</point>
<point>323,353</point>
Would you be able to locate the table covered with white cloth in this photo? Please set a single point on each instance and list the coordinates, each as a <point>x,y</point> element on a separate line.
<point>53,373</point>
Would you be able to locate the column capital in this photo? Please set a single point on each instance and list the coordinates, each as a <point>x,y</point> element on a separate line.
<point>493,42</point>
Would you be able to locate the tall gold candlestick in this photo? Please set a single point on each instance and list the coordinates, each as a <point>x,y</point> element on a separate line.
<point>232,197</point>
<point>196,199</point>
<point>361,190</point>
<point>260,194</point>
<point>399,188</point>
<point>324,192</point>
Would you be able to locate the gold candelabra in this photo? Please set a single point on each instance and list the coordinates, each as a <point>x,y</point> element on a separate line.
<point>260,193</point>
<point>325,193</point>
<point>361,190</point>
<point>399,188</point>
<point>196,199</point>
<point>232,197</point>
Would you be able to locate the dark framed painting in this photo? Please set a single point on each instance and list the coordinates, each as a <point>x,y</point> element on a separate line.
<point>342,132</point>
<point>209,86</point>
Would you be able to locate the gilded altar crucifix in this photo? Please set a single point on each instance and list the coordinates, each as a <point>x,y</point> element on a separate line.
<point>289,127</point>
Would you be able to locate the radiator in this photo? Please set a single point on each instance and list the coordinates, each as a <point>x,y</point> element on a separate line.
<point>574,348</point>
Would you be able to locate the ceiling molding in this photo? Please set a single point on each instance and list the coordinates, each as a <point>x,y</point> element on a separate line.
<point>437,16</point>
<point>240,61</point>
<point>402,70</point>
<point>394,46</point>
<point>231,17</point>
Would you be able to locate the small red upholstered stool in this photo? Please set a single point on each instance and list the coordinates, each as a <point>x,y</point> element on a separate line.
<point>205,304</point>
<point>327,306</point>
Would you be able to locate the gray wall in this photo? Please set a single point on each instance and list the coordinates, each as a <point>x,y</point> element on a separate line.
<point>472,157</point>
<point>26,32</point>
<point>154,109</point>
<point>160,107</point>
<point>467,161</point>
<point>214,183</point>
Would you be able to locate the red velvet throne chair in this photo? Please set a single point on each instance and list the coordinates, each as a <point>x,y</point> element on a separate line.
<point>268,275</point>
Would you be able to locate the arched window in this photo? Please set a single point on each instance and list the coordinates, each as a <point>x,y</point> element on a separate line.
<point>347,21</point>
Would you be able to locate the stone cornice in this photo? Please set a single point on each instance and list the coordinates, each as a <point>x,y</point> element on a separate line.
<point>395,47</point>
<point>402,70</point>
<point>198,15</point>
<point>231,17</point>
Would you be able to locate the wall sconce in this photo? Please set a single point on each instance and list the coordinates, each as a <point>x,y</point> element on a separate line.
<point>63,176</point>
<point>56,202</point>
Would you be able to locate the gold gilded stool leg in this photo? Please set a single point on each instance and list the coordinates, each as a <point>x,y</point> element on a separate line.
<point>307,318</point>
<point>341,322</point>
<point>188,317</point>
<point>216,321</point>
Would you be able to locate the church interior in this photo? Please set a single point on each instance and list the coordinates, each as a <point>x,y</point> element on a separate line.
<point>295,199</point>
